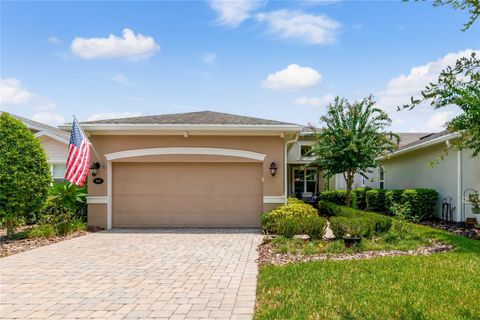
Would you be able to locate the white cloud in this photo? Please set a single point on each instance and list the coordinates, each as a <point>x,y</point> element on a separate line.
<point>113,115</point>
<point>233,13</point>
<point>119,78</point>
<point>131,46</point>
<point>209,57</point>
<point>50,118</point>
<point>437,120</point>
<point>13,93</point>
<point>292,77</point>
<point>314,101</point>
<point>54,40</point>
<point>312,29</point>
<point>401,88</point>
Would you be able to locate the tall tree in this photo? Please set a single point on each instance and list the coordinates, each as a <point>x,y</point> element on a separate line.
<point>458,85</point>
<point>24,172</point>
<point>353,136</point>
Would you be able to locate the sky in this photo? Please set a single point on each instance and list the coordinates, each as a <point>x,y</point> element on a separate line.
<point>277,60</point>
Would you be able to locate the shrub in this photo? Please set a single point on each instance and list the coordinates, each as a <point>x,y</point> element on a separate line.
<point>392,197</point>
<point>288,227</point>
<point>292,200</point>
<point>314,227</point>
<point>354,227</point>
<point>296,210</point>
<point>361,198</point>
<point>336,196</point>
<point>381,224</point>
<point>421,203</point>
<point>376,200</point>
<point>24,172</point>
<point>42,231</point>
<point>68,195</point>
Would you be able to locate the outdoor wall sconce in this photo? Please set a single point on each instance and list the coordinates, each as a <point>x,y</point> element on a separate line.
<point>94,167</point>
<point>273,169</point>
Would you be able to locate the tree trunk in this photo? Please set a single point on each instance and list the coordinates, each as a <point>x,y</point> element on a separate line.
<point>349,180</point>
<point>10,228</point>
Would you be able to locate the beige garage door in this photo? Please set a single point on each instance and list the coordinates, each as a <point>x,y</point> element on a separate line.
<point>187,195</point>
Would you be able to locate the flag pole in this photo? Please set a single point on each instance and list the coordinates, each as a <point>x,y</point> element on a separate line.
<point>93,148</point>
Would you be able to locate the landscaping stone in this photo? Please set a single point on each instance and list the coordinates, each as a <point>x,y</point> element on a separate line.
<point>267,254</point>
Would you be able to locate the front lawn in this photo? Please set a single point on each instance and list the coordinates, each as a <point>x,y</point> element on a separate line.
<point>438,286</point>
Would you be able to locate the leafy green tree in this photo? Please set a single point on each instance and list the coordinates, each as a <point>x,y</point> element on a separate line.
<point>24,172</point>
<point>458,85</point>
<point>352,138</point>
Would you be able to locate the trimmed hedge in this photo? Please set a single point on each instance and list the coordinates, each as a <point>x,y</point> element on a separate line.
<point>354,227</point>
<point>392,198</point>
<point>376,200</point>
<point>294,209</point>
<point>379,223</point>
<point>336,196</point>
<point>421,203</point>
<point>360,198</point>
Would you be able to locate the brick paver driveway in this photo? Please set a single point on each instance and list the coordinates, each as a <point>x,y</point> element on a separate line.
<point>135,274</point>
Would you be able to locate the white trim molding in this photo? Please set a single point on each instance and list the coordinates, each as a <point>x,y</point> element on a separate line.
<point>273,199</point>
<point>185,150</point>
<point>109,194</point>
<point>51,135</point>
<point>97,199</point>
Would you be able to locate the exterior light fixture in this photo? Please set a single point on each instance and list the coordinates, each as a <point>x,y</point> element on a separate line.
<point>273,169</point>
<point>94,167</point>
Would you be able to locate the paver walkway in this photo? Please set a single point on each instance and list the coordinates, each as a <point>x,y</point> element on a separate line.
<point>135,274</point>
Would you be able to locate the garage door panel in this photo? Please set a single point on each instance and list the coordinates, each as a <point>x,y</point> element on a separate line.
<point>187,195</point>
<point>165,203</point>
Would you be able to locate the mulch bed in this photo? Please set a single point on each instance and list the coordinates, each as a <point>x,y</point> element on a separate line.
<point>13,246</point>
<point>267,254</point>
<point>454,227</point>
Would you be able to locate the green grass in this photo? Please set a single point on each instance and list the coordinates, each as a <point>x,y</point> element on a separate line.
<point>439,286</point>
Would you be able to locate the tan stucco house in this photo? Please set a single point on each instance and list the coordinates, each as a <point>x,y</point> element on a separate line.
<point>199,169</point>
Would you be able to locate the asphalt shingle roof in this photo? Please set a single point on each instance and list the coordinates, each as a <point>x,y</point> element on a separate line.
<point>424,138</point>
<point>201,117</point>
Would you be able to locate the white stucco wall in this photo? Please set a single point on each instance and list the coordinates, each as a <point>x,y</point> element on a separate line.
<point>359,181</point>
<point>412,170</point>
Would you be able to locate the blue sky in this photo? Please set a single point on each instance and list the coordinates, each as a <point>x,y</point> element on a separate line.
<point>272,59</point>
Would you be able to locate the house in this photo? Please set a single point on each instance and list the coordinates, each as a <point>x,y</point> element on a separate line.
<point>454,177</point>
<point>198,169</point>
<point>55,143</point>
<point>375,178</point>
<point>457,175</point>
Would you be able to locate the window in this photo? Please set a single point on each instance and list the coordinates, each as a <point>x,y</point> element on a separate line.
<point>58,172</point>
<point>305,151</point>
<point>304,181</point>
<point>381,179</point>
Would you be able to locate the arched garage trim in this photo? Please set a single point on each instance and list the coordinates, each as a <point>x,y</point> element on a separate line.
<point>111,157</point>
<point>185,150</point>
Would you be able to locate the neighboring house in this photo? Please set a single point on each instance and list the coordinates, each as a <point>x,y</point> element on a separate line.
<point>55,143</point>
<point>376,178</point>
<point>453,177</point>
<point>199,169</point>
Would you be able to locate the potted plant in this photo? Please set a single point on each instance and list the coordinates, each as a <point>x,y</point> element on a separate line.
<point>474,199</point>
<point>354,230</point>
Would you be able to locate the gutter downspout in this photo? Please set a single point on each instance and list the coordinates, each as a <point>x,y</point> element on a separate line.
<point>459,186</point>
<point>285,171</point>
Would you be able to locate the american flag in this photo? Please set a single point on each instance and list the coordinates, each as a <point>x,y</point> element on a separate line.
<point>78,160</point>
